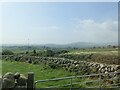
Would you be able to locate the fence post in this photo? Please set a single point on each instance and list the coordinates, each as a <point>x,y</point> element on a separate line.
<point>71,84</point>
<point>30,81</point>
<point>100,81</point>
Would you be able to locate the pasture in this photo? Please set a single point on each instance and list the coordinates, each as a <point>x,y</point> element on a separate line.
<point>42,71</point>
<point>100,51</point>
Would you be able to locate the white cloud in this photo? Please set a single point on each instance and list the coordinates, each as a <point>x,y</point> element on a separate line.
<point>90,30</point>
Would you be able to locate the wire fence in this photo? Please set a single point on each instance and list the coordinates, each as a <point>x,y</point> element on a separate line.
<point>99,81</point>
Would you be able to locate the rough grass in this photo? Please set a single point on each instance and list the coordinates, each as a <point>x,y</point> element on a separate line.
<point>102,51</point>
<point>39,70</point>
<point>99,55</point>
<point>41,73</point>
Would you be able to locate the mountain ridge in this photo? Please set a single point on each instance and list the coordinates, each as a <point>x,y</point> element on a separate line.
<point>72,45</point>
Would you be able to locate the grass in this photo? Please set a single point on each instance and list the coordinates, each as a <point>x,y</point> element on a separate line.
<point>105,51</point>
<point>41,73</point>
<point>39,70</point>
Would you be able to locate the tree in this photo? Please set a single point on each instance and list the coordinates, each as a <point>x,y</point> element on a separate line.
<point>34,51</point>
<point>49,53</point>
<point>114,46</point>
<point>27,52</point>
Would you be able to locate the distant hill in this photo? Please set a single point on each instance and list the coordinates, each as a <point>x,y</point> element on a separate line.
<point>79,45</point>
<point>70,45</point>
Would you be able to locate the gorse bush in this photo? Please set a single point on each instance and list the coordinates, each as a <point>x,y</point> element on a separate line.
<point>7,52</point>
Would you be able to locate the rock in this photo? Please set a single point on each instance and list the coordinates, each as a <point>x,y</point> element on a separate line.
<point>77,65</point>
<point>8,80</point>
<point>17,75</point>
<point>117,67</point>
<point>101,65</point>
<point>22,80</point>
<point>116,79</point>
<point>112,69</point>
<point>102,70</point>
<point>75,62</point>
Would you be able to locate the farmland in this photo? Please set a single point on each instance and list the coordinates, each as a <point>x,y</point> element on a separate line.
<point>39,70</point>
<point>56,63</point>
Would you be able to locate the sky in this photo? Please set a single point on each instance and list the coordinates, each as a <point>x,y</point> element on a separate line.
<point>59,23</point>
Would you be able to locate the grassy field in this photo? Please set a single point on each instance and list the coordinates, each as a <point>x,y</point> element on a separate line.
<point>41,73</point>
<point>103,51</point>
<point>39,70</point>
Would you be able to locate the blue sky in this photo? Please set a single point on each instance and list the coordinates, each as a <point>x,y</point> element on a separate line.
<point>59,22</point>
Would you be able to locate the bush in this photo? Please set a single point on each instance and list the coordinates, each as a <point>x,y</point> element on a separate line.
<point>49,53</point>
<point>7,52</point>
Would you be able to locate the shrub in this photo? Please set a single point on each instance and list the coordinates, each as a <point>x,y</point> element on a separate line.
<point>7,52</point>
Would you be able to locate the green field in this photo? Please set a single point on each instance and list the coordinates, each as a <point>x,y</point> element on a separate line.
<point>40,71</point>
<point>105,51</point>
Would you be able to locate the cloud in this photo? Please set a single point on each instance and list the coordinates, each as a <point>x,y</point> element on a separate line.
<point>90,30</point>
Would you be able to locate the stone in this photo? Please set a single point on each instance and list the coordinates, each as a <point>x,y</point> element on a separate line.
<point>8,80</point>
<point>22,80</point>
